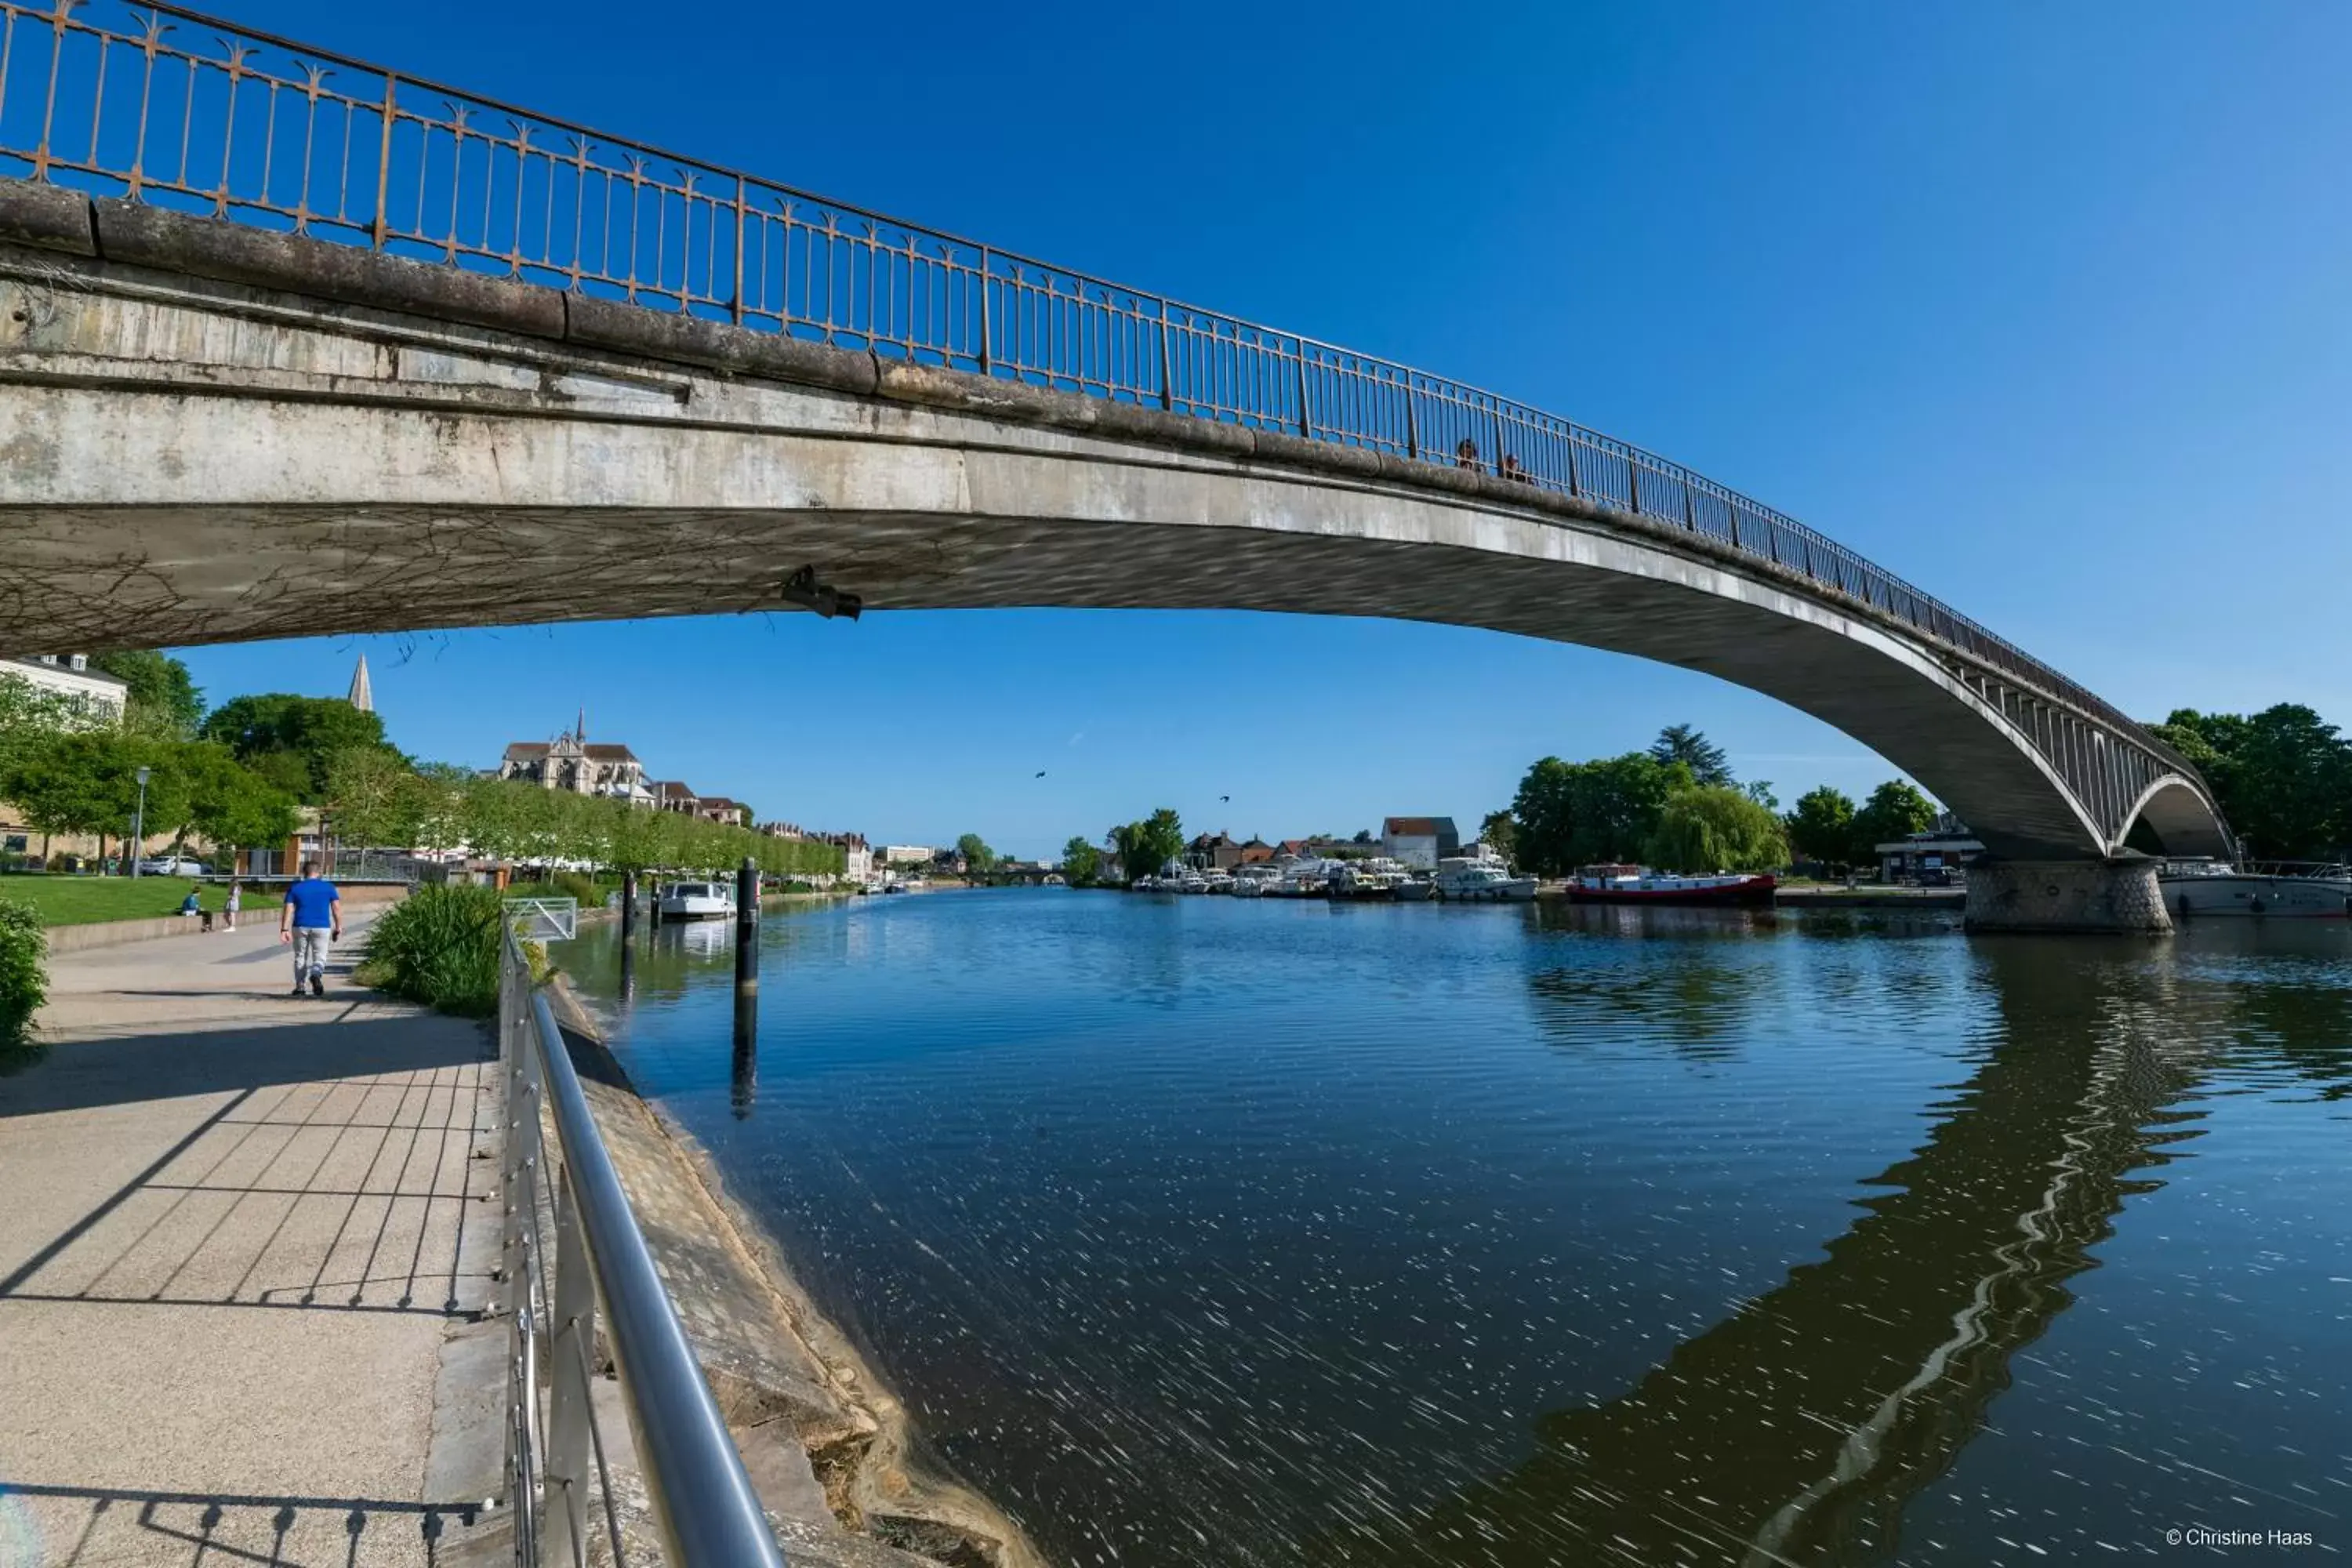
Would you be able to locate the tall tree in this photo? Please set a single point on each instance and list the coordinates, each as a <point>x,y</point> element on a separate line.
<point>1895,810</point>
<point>293,741</point>
<point>2282,777</point>
<point>1500,833</point>
<point>1578,813</point>
<point>1718,828</point>
<point>1822,828</point>
<point>87,781</point>
<point>161,698</point>
<point>977,854</point>
<point>1081,861</point>
<point>228,804</point>
<point>369,798</point>
<point>1684,744</point>
<point>1145,847</point>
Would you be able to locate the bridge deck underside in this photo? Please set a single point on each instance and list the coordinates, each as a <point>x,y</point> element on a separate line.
<point>184,577</point>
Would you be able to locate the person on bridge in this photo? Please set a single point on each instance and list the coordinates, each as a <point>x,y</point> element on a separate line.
<point>1465,456</point>
<point>312,919</point>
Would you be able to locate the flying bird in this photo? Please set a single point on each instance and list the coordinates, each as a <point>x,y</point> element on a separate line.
<point>1041,772</point>
<point>1225,797</point>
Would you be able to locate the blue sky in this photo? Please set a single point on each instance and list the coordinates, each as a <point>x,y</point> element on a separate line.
<point>2041,306</point>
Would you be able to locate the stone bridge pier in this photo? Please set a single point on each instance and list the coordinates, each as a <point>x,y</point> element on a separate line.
<point>2114,896</point>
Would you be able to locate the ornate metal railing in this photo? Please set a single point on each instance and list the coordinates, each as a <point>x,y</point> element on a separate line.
<point>263,130</point>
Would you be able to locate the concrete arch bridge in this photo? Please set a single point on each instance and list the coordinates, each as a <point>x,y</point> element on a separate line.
<point>388,356</point>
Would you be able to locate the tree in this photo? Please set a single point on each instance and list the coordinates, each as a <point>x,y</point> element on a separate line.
<point>2282,777</point>
<point>293,741</point>
<point>1577,813</point>
<point>1081,861</point>
<point>161,699</point>
<point>977,854</point>
<point>89,783</point>
<point>1684,744</point>
<point>1760,791</point>
<point>1895,810</point>
<point>228,804</point>
<point>369,798</point>
<point>1498,831</point>
<point>437,806</point>
<point>1822,828</point>
<point>1714,827</point>
<point>1145,847</point>
<point>1363,836</point>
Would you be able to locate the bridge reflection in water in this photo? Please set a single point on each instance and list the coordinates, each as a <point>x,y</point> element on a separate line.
<point>1798,1430</point>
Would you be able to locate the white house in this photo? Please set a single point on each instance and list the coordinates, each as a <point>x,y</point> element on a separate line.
<point>1419,841</point>
<point>99,696</point>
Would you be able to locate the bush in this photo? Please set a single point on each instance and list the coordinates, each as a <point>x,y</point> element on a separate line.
<point>438,946</point>
<point>24,971</point>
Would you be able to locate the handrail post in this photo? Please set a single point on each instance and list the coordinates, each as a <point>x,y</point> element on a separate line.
<point>1306,420</point>
<point>987,314</point>
<point>1167,363</point>
<point>743,209</point>
<point>383,161</point>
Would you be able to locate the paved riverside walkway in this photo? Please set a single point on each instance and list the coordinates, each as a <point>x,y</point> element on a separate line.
<point>244,1240</point>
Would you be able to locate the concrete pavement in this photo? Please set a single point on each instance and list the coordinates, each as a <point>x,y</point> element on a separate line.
<point>245,1243</point>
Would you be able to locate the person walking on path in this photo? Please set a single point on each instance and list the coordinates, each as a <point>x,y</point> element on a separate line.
<point>236,902</point>
<point>312,919</point>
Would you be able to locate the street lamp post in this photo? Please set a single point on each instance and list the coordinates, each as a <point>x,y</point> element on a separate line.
<point>138,823</point>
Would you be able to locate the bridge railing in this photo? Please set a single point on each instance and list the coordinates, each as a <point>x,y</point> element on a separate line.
<point>702,1500</point>
<point>167,105</point>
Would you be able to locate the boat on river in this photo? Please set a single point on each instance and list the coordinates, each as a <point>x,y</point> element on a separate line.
<point>695,902</point>
<point>1640,885</point>
<point>2194,890</point>
<point>1479,877</point>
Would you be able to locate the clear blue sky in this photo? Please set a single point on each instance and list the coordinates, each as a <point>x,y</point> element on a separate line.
<point>2042,307</point>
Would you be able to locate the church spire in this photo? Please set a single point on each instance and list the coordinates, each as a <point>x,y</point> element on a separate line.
<point>580,730</point>
<point>363,695</point>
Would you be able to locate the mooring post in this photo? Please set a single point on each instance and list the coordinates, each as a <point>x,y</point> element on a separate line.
<point>746,933</point>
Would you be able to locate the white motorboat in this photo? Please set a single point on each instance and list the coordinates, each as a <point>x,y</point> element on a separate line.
<point>1480,876</point>
<point>695,901</point>
<point>1415,890</point>
<point>2200,889</point>
<point>1250,887</point>
<point>1193,882</point>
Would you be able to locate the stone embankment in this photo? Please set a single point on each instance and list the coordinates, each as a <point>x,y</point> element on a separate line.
<point>828,1448</point>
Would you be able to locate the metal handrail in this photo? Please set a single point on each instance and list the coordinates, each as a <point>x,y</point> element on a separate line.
<point>411,167</point>
<point>702,1500</point>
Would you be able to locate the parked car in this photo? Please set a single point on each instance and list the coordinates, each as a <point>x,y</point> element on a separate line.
<point>172,865</point>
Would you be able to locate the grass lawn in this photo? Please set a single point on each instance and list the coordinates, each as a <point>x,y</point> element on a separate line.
<point>82,900</point>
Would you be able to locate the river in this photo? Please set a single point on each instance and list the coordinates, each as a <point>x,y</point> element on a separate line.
<point>1209,1231</point>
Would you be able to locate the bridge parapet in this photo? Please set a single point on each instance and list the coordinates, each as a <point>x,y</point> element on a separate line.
<point>106,100</point>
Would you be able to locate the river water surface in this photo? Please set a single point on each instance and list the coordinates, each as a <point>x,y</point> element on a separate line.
<point>1204,1231</point>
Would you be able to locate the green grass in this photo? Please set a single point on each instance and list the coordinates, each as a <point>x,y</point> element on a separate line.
<point>63,900</point>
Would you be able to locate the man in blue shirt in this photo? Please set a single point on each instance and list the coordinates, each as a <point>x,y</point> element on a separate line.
<point>312,919</point>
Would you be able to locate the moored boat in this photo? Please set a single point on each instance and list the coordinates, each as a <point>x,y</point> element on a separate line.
<point>2198,888</point>
<point>1640,885</point>
<point>695,902</point>
<point>1479,876</point>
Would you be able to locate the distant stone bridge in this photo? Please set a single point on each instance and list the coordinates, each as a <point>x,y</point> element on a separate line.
<point>318,348</point>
